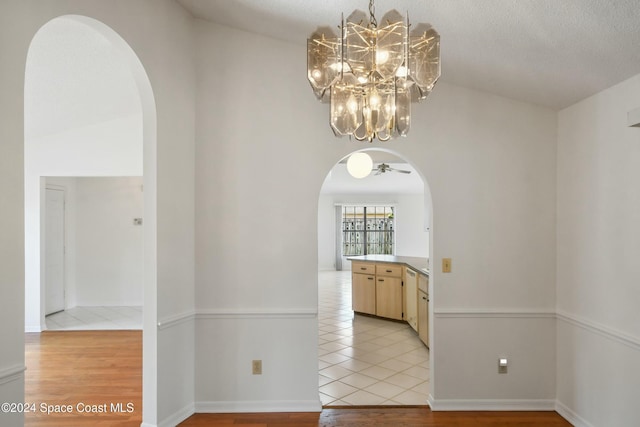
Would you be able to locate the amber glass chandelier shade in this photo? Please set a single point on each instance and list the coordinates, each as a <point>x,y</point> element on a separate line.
<point>371,73</point>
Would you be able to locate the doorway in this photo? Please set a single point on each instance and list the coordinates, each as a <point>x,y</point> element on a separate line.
<point>89,111</point>
<point>367,360</point>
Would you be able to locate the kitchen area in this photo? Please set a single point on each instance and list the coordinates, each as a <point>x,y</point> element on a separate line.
<point>392,287</point>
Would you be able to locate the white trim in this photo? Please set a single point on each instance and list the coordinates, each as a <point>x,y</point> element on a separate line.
<point>258,313</point>
<point>32,328</point>
<point>259,406</point>
<point>491,404</point>
<point>176,319</point>
<point>177,417</point>
<point>571,416</point>
<point>599,329</point>
<point>493,313</point>
<point>13,373</point>
<point>365,204</point>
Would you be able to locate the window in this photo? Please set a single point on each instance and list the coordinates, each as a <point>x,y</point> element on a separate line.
<point>367,230</point>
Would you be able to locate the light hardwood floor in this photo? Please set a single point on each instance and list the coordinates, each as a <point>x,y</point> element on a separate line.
<point>104,367</point>
<point>84,368</point>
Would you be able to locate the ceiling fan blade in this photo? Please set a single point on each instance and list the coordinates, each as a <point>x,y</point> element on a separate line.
<point>398,170</point>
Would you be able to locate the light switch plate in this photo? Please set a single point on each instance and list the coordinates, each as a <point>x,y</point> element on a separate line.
<point>446,265</point>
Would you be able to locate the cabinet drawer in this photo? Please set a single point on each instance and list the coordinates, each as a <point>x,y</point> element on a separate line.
<point>389,270</point>
<point>363,267</point>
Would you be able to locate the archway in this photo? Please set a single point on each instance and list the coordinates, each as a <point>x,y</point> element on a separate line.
<point>387,364</point>
<point>109,156</point>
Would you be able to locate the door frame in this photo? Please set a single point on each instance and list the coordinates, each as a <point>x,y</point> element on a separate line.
<point>43,260</point>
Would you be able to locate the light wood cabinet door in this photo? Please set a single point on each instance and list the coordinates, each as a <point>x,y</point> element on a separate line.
<point>423,317</point>
<point>363,293</point>
<point>411,298</point>
<point>389,297</point>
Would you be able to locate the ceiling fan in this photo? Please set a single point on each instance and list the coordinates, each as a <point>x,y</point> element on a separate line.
<point>383,168</point>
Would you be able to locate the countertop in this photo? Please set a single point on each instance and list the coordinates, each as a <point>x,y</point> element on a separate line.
<point>421,265</point>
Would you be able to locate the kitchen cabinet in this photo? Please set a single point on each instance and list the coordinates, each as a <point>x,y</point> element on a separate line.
<point>388,286</point>
<point>411,298</point>
<point>423,309</point>
<point>423,317</point>
<point>363,293</point>
<point>389,297</point>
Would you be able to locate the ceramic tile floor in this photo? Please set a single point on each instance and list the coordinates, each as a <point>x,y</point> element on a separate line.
<point>365,360</point>
<point>94,318</point>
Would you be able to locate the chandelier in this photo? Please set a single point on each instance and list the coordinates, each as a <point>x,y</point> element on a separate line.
<point>371,74</point>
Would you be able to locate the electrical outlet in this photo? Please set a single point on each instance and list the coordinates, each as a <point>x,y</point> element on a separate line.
<point>256,367</point>
<point>446,265</point>
<point>502,365</point>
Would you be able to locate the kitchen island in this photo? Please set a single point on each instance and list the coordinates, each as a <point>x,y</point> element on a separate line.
<point>392,287</point>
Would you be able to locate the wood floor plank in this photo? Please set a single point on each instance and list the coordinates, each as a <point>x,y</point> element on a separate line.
<point>84,369</point>
<point>382,417</point>
<point>98,367</point>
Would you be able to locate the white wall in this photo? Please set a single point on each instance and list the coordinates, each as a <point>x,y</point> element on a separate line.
<point>104,250</point>
<point>109,247</point>
<point>163,42</point>
<point>412,239</point>
<point>490,166</point>
<point>598,252</point>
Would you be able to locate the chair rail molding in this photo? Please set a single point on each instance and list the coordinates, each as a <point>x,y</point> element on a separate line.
<point>599,329</point>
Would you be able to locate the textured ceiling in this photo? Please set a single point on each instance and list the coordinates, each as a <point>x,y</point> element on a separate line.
<point>547,52</point>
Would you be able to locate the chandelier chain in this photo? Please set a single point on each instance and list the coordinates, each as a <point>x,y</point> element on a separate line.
<point>372,14</point>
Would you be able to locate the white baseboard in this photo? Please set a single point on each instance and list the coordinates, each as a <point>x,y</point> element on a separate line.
<point>259,406</point>
<point>177,417</point>
<point>571,416</point>
<point>491,404</point>
<point>32,328</point>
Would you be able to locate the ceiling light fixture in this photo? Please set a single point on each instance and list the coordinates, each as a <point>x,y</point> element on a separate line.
<point>371,74</point>
<point>359,165</point>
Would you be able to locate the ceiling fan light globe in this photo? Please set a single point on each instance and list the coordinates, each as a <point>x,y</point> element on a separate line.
<point>359,165</point>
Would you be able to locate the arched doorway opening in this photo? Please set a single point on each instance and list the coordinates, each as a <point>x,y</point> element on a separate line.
<point>89,112</point>
<point>368,359</point>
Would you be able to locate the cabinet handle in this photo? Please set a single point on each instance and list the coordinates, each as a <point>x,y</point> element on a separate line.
<point>424,297</point>
<point>389,271</point>
<point>380,280</point>
<point>369,278</point>
<point>363,268</point>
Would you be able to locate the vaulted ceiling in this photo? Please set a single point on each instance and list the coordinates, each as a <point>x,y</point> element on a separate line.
<point>551,53</point>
